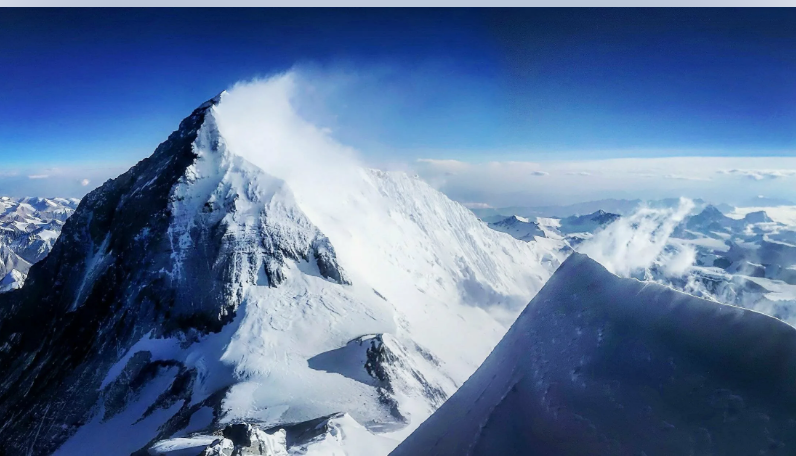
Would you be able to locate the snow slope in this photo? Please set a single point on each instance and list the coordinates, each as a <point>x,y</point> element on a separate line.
<point>597,364</point>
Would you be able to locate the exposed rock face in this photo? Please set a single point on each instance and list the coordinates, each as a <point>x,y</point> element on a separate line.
<point>602,365</point>
<point>101,274</point>
<point>757,217</point>
<point>382,361</point>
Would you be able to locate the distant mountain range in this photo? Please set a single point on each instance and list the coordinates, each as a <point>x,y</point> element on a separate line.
<point>28,230</point>
<point>616,206</point>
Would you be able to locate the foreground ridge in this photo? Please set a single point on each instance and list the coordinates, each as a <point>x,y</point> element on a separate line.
<point>597,364</point>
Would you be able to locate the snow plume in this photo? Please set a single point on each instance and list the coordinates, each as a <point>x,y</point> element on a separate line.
<point>259,121</point>
<point>642,240</point>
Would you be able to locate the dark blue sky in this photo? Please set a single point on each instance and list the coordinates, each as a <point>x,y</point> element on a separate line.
<point>96,86</point>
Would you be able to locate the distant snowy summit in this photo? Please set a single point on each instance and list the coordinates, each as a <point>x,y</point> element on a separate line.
<point>518,227</point>
<point>597,364</point>
<point>614,206</point>
<point>28,230</point>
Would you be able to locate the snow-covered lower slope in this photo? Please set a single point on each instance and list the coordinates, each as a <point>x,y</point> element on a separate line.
<point>251,271</point>
<point>597,364</point>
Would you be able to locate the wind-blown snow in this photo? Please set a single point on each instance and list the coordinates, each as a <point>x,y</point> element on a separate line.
<point>638,241</point>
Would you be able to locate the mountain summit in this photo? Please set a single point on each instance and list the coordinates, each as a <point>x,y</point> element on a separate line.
<point>251,282</point>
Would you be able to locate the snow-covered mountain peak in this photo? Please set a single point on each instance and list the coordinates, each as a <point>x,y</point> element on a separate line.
<point>517,218</point>
<point>252,270</point>
<point>519,227</point>
<point>757,217</point>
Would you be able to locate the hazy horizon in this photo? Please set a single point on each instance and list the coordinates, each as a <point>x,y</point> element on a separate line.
<point>494,108</point>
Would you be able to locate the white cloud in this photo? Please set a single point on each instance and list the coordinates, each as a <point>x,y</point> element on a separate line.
<point>760,174</point>
<point>477,205</point>
<point>67,181</point>
<point>682,177</point>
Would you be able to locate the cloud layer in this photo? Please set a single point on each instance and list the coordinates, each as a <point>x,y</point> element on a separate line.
<point>71,182</point>
<point>760,174</point>
<point>732,180</point>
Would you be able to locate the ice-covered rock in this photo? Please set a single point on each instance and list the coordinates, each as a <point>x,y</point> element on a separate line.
<point>243,439</point>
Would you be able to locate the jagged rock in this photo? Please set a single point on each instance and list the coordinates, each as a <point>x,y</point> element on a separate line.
<point>243,439</point>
